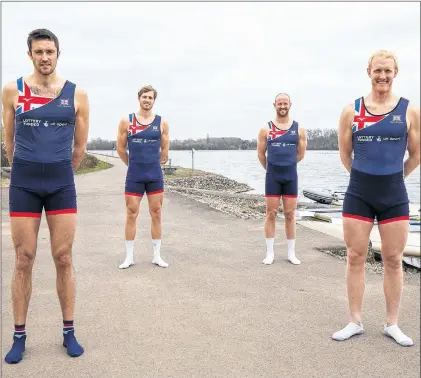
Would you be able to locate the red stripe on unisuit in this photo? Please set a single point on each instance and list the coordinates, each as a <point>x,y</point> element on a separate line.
<point>405,217</point>
<point>63,211</point>
<point>358,217</point>
<point>24,214</point>
<point>155,192</point>
<point>133,194</point>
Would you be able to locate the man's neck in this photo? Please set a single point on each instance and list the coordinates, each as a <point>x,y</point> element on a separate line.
<point>282,121</point>
<point>45,80</point>
<point>145,113</point>
<point>381,97</point>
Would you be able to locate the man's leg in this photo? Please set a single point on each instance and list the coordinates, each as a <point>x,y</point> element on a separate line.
<point>394,234</point>
<point>155,193</point>
<point>289,201</point>
<point>289,204</point>
<point>273,199</point>
<point>25,219</point>
<point>61,209</point>
<point>358,220</point>
<point>133,196</point>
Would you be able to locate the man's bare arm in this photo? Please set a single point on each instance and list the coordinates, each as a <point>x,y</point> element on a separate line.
<point>165,142</point>
<point>9,92</point>
<point>302,143</point>
<point>413,160</point>
<point>122,140</point>
<point>262,145</point>
<point>345,136</point>
<point>81,127</point>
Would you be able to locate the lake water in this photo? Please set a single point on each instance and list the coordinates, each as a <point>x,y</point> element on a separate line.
<point>319,170</point>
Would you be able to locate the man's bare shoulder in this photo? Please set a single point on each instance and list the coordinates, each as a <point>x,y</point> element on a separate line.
<point>81,92</point>
<point>263,130</point>
<point>124,120</point>
<point>414,110</point>
<point>10,89</point>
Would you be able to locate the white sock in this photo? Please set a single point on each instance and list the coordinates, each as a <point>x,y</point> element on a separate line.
<point>291,252</point>
<point>156,245</point>
<point>269,251</point>
<point>129,255</point>
<point>350,330</point>
<point>395,333</point>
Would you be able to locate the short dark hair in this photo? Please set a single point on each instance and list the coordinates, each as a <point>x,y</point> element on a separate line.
<point>39,34</point>
<point>285,94</point>
<point>148,88</point>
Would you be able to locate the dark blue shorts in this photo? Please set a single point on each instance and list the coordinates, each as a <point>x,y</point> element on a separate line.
<point>138,188</point>
<point>383,197</point>
<point>38,186</point>
<point>281,181</point>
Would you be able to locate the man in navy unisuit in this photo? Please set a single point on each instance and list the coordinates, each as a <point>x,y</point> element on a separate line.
<point>46,122</point>
<point>378,129</point>
<point>285,143</point>
<point>146,135</point>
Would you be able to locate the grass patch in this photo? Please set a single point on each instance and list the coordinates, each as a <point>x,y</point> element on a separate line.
<point>100,165</point>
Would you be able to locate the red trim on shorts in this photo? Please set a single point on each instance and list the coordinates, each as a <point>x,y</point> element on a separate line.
<point>24,214</point>
<point>133,194</point>
<point>290,195</point>
<point>358,217</point>
<point>155,192</point>
<point>62,211</point>
<point>404,217</point>
<point>273,195</point>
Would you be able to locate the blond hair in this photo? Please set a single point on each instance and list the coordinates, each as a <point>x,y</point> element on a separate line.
<point>383,54</point>
<point>148,88</point>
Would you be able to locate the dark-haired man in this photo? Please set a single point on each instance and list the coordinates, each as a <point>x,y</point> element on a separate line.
<point>146,135</point>
<point>46,122</point>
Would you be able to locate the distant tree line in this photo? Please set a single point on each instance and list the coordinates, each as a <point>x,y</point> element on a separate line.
<point>317,139</point>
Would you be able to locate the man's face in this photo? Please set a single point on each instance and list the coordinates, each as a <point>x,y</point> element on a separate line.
<point>44,56</point>
<point>382,72</point>
<point>146,100</point>
<point>282,105</point>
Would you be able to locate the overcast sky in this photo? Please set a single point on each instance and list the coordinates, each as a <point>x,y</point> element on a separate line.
<point>218,66</point>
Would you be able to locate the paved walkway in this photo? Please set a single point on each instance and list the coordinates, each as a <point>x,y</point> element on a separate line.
<point>215,312</point>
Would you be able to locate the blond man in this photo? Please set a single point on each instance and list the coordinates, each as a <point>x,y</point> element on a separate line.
<point>377,129</point>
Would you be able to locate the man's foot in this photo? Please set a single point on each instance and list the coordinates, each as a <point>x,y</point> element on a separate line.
<point>350,330</point>
<point>74,349</point>
<point>125,264</point>
<point>293,260</point>
<point>395,333</point>
<point>15,354</point>
<point>268,260</point>
<point>158,261</point>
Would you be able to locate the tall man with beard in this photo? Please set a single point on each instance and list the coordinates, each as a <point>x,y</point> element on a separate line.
<point>43,115</point>
<point>285,143</point>
<point>147,137</point>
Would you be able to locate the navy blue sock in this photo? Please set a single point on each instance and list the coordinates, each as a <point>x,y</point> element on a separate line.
<point>19,338</point>
<point>70,342</point>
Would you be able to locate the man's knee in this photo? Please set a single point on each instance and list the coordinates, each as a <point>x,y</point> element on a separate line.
<point>356,256</point>
<point>271,213</point>
<point>25,257</point>
<point>289,215</point>
<point>63,256</point>
<point>132,211</point>
<point>155,213</point>
<point>392,261</point>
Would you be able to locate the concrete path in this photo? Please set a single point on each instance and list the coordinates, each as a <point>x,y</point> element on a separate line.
<point>215,312</point>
